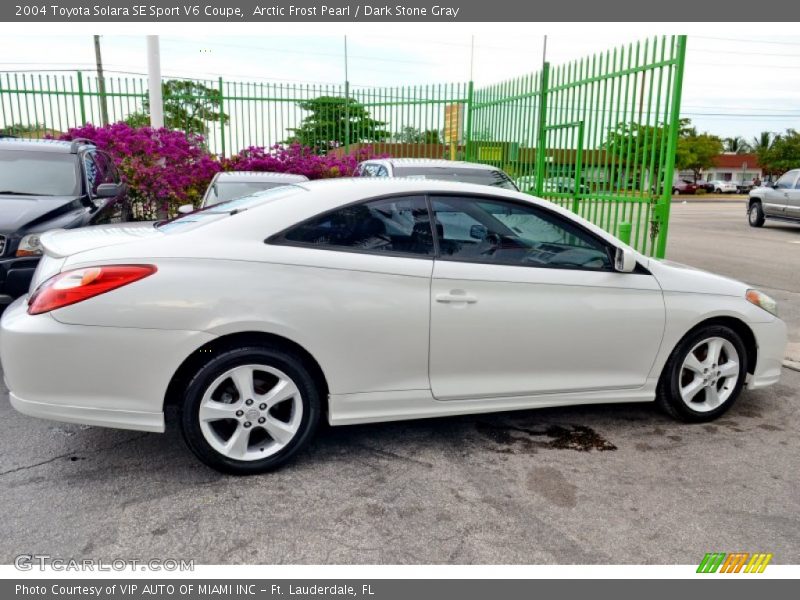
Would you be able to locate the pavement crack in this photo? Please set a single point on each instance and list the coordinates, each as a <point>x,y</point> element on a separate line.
<point>70,454</point>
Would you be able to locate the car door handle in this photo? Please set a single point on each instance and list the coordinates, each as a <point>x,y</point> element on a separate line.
<point>456,296</point>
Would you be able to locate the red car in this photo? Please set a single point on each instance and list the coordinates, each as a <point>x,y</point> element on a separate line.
<point>684,187</point>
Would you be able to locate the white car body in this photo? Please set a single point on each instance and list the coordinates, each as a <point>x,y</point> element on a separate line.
<point>396,337</point>
<point>724,187</point>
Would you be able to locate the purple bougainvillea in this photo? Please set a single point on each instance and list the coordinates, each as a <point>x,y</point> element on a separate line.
<point>165,168</point>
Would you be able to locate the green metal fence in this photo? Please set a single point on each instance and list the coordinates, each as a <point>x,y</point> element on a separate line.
<point>606,125</point>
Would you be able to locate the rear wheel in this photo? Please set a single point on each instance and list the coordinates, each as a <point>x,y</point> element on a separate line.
<point>755,215</point>
<point>704,374</point>
<point>249,410</point>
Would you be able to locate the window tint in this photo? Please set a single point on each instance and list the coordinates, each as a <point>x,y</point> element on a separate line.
<point>399,224</point>
<point>98,170</point>
<point>786,181</point>
<point>475,229</point>
<point>38,173</point>
<point>370,169</point>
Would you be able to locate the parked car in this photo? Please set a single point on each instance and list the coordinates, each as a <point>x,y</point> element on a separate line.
<point>779,201</point>
<point>702,184</point>
<point>564,185</point>
<point>370,299</point>
<point>443,170</point>
<point>235,184</point>
<point>684,187</point>
<point>724,187</point>
<point>48,184</point>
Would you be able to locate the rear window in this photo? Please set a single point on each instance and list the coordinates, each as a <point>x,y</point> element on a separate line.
<point>492,177</point>
<point>231,207</point>
<point>222,191</point>
<point>36,173</point>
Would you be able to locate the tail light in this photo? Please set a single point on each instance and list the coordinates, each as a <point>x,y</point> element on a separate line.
<point>71,287</point>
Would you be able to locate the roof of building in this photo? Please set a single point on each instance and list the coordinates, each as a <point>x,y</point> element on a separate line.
<point>736,161</point>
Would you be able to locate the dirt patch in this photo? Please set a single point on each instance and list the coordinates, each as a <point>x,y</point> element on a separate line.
<point>550,484</point>
<point>569,437</point>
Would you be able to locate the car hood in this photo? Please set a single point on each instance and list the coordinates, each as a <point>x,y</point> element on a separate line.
<point>18,212</point>
<point>677,277</point>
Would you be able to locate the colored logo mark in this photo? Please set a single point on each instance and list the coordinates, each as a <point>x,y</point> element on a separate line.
<point>735,562</point>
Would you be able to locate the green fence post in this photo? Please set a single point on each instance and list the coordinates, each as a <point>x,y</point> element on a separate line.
<point>625,232</point>
<point>661,213</point>
<point>347,117</point>
<point>468,125</point>
<point>221,121</point>
<point>81,99</point>
<point>577,185</point>
<point>541,144</point>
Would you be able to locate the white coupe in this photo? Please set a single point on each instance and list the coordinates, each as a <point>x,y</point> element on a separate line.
<point>364,300</point>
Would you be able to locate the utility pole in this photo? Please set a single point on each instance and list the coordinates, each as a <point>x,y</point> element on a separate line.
<point>154,82</point>
<point>101,81</point>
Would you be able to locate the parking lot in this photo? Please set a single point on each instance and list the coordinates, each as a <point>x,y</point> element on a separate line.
<point>603,484</point>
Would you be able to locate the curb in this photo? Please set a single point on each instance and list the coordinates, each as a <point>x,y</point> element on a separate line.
<point>792,365</point>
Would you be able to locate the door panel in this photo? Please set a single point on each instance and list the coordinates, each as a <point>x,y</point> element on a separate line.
<point>504,331</point>
<point>776,199</point>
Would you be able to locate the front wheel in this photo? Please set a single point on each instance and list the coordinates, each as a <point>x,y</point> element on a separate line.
<point>755,215</point>
<point>704,374</point>
<point>249,410</point>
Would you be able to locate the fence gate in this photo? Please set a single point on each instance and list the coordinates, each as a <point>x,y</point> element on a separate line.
<point>596,136</point>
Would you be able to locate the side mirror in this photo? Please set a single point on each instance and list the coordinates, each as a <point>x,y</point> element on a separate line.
<point>185,209</point>
<point>478,232</point>
<point>109,190</point>
<point>625,260</point>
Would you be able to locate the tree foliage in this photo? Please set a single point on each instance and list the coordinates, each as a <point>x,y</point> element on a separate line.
<point>188,106</point>
<point>696,151</point>
<point>736,145</point>
<point>334,121</point>
<point>782,154</point>
<point>413,135</point>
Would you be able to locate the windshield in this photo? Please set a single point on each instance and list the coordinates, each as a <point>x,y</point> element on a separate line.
<point>33,173</point>
<point>230,190</point>
<point>231,207</point>
<point>491,177</point>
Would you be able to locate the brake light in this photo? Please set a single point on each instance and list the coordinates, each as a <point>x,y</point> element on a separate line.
<point>71,287</point>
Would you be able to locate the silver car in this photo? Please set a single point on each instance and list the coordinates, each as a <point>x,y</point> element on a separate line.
<point>436,169</point>
<point>236,184</point>
<point>779,201</point>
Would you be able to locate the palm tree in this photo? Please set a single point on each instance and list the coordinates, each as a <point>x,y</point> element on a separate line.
<point>762,142</point>
<point>736,145</point>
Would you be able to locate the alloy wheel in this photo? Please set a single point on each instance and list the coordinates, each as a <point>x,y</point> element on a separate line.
<point>709,374</point>
<point>250,412</point>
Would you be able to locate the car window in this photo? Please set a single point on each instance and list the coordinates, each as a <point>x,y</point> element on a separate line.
<point>503,232</point>
<point>34,173</point>
<point>398,224</point>
<point>370,169</point>
<point>222,191</point>
<point>98,170</point>
<point>493,177</point>
<point>786,181</point>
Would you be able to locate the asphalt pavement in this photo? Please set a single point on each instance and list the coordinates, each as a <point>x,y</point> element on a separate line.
<point>600,484</point>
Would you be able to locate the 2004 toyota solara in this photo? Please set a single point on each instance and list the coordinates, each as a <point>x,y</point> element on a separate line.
<point>364,300</point>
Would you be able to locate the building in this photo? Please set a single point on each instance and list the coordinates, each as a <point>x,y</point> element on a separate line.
<point>732,167</point>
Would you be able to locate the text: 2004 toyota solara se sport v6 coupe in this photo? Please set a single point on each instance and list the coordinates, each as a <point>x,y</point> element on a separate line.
<point>369,300</point>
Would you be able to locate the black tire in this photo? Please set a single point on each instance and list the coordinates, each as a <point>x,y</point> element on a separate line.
<point>755,214</point>
<point>668,395</point>
<point>676,192</point>
<point>208,373</point>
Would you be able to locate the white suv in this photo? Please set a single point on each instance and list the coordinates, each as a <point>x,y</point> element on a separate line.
<point>441,170</point>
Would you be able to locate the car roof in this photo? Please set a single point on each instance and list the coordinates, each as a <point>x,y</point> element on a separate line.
<point>433,163</point>
<point>36,145</point>
<point>267,176</point>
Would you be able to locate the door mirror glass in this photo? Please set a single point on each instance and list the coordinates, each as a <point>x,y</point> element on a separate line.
<point>625,260</point>
<point>478,232</point>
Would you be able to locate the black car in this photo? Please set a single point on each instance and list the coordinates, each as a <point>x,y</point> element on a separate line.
<point>48,184</point>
